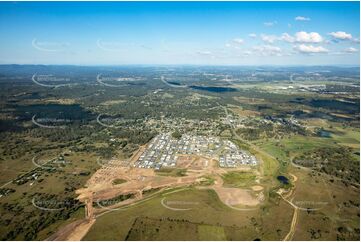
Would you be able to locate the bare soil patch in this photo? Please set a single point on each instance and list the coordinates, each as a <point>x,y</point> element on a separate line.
<point>236,196</point>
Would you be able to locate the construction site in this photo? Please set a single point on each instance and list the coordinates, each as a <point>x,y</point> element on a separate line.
<point>101,194</point>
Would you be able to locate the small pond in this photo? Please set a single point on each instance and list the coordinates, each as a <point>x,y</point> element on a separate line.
<point>283,180</point>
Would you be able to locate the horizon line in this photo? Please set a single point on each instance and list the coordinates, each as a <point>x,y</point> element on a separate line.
<point>220,65</point>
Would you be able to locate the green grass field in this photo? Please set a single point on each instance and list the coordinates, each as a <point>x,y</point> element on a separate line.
<point>209,232</point>
<point>286,148</point>
<point>206,208</point>
<point>338,208</point>
<point>238,179</point>
<point>347,137</point>
<point>171,172</point>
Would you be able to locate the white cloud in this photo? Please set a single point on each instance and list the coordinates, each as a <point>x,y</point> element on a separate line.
<point>266,50</point>
<point>341,35</point>
<point>356,40</point>
<point>299,37</point>
<point>310,49</point>
<point>301,18</point>
<point>235,43</point>
<point>238,41</point>
<point>252,35</point>
<point>269,38</point>
<point>288,38</point>
<point>247,53</point>
<point>270,24</point>
<point>351,50</point>
<point>204,53</point>
<point>312,37</point>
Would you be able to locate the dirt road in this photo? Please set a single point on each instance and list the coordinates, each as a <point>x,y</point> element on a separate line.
<point>100,187</point>
<point>74,231</point>
<point>290,234</point>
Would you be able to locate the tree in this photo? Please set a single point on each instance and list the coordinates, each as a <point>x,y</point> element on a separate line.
<point>176,134</point>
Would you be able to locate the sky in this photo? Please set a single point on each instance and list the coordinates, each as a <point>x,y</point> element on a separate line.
<point>168,33</point>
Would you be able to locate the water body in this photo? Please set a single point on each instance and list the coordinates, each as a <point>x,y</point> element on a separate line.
<point>214,89</point>
<point>136,83</point>
<point>324,134</point>
<point>335,105</point>
<point>263,107</point>
<point>174,83</point>
<point>284,180</point>
<point>55,111</point>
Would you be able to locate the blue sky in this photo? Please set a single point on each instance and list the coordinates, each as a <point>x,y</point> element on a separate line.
<point>205,33</point>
